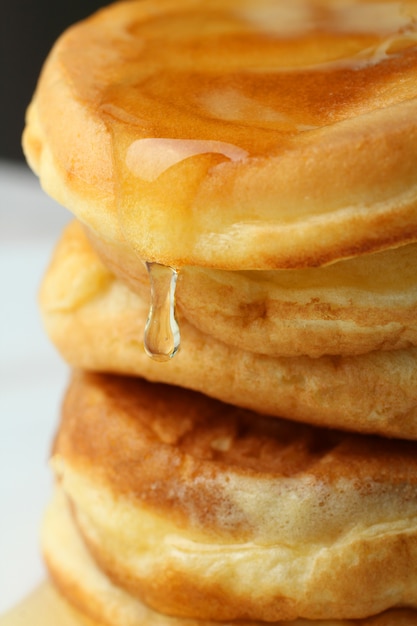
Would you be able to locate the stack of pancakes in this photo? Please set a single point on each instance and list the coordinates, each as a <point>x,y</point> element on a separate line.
<point>244,178</point>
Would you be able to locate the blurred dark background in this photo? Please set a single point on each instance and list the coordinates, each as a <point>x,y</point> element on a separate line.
<point>27,31</point>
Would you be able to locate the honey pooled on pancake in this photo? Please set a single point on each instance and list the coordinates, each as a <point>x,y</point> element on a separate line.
<point>234,135</point>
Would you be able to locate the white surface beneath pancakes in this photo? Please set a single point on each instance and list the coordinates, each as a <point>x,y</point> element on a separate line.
<point>32,378</point>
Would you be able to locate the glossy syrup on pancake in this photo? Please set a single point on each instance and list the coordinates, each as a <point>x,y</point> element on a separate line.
<point>299,28</point>
<point>162,336</point>
<point>241,81</point>
<point>234,134</point>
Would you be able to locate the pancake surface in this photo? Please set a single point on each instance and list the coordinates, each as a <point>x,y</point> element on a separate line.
<point>97,323</point>
<point>204,510</point>
<point>349,307</point>
<point>234,135</point>
<point>85,586</point>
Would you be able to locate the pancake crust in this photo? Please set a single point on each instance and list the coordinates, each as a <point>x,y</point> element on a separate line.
<point>350,307</point>
<point>97,323</point>
<point>203,510</point>
<point>254,135</point>
<point>83,584</point>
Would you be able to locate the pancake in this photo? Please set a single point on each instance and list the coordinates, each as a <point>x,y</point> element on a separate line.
<point>97,323</point>
<point>203,510</point>
<point>234,135</point>
<point>83,584</point>
<point>350,307</point>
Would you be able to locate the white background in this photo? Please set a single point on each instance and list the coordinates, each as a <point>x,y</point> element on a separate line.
<point>32,377</point>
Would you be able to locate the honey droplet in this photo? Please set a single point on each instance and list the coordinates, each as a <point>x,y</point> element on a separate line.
<point>162,334</point>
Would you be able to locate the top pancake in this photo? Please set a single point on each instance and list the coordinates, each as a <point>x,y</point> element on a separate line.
<point>238,134</point>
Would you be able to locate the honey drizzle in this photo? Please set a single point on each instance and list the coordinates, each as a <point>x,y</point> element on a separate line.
<point>162,334</point>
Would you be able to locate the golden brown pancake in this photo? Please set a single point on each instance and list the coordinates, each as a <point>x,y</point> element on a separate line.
<point>97,323</point>
<point>349,307</point>
<point>204,510</point>
<point>85,586</point>
<point>234,135</point>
